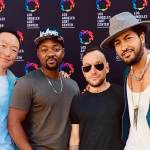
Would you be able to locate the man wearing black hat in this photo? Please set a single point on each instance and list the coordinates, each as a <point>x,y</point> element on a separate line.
<point>38,116</point>
<point>127,37</point>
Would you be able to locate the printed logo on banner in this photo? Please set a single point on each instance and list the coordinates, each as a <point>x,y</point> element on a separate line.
<point>21,36</point>
<point>30,66</point>
<point>67,67</point>
<point>2,17</point>
<point>2,5</point>
<point>139,4</point>
<point>21,51</point>
<point>103,5</point>
<point>67,20</point>
<point>32,5</point>
<point>103,18</point>
<point>32,19</point>
<point>67,5</point>
<point>86,37</point>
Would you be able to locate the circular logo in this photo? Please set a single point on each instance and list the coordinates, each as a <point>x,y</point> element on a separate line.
<point>32,5</point>
<point>30,67</point>
<point>103,5</point>
<point>86,37</point>
<point>67,5</point>
<point>139,4</point>
<point>2,5</point>
<point>21,36</point>
<point>67,67</point>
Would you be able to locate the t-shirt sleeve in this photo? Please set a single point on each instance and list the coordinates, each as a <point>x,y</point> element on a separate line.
<point>73,111</point>
<point>22,94</point>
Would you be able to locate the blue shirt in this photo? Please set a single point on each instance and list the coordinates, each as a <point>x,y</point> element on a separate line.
<point>6,87</point>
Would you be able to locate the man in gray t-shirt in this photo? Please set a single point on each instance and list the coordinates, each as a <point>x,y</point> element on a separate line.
<point>38,116</point>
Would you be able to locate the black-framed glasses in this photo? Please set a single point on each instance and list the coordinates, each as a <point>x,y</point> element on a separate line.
<point>87,68</point>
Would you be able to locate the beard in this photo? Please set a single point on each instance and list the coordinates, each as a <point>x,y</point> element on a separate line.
<point>137,56</point>
<point>96,84</point>
<point>53,66</point>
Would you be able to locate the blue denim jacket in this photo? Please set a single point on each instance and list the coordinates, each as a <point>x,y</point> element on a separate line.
<point>125,117</point>
<point>5,140</point>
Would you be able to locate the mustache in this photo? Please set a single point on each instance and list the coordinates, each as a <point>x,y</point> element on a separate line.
<point>126,50</point>
<point>51,57</point>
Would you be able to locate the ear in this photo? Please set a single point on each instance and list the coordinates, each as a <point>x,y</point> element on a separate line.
<point>37,53</point>
<point>63,53</point>
<point>107,67</point>
<point>142,37</point>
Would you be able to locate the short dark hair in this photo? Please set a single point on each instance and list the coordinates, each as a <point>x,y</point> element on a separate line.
<point>91,49</point>
<point>139,29</point>
<point>8,30</point>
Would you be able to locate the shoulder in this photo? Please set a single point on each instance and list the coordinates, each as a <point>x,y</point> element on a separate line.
<point>126,72</point>
<point>10,75</point>
<point>116,88</point>
<point>81,97</point>
<point>30,78</point>
<point>70,83</point>
<point>34,74</point>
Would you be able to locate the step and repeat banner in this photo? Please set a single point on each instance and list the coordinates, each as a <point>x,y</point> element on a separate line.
<point>81,22</point>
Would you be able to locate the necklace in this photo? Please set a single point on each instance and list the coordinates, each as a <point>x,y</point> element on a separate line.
<point>53,88</point>
<point>135,105</point>
<point>61,85</point>
<point>138,78</point>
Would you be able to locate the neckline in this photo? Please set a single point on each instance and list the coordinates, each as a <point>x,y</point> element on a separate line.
<point>88,92</point>
<point>141,75</point>
<point>3,76</point>
<point>52,84</point>
<point>147,88</point>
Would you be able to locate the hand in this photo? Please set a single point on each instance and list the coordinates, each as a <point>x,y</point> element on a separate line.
<point>64,74</point>
<point>86,88</point>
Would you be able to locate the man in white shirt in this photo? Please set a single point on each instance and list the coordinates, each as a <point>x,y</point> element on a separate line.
<point>127,37</point>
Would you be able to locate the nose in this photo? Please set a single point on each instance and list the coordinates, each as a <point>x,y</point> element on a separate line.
<point>51,52</point>
<point>123,46</point>
<point>93,70</point>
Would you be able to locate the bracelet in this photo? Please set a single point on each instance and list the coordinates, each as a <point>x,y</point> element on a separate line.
<point>74,147</point>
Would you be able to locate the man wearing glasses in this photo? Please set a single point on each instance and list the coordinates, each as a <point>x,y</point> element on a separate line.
<point>96,114</point>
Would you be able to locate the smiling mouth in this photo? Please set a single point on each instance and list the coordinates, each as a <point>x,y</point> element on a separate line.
<point>51,61</point>
<point>127,53</point>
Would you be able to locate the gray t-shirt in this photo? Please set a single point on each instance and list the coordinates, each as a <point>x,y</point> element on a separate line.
<point>46,125</point>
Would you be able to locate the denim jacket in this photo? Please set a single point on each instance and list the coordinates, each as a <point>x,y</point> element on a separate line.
<point>125,117</point>
<point>5,140</point>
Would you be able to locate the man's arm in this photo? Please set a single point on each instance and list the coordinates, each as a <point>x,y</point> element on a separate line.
<point>15,128</point>
<point>74,137</point>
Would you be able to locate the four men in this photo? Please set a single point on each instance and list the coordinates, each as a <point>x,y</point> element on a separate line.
<point>39,111</point>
